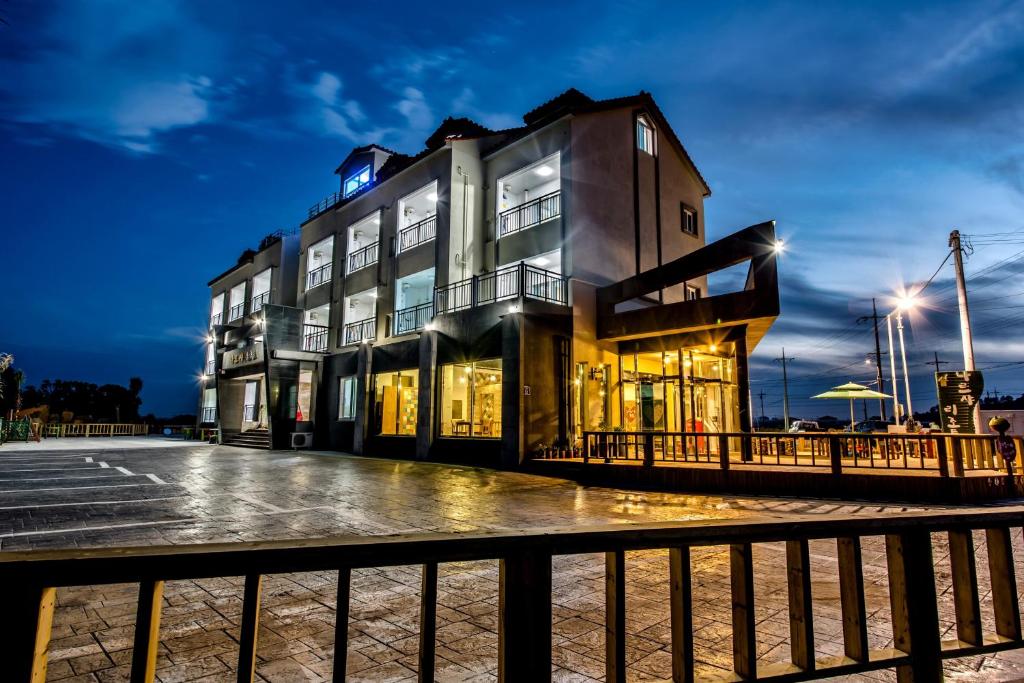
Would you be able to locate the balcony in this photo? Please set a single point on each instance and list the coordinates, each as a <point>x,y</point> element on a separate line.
<point>258,301</point>
<point>209,415</point>
<point>530,214</point>
<point>324,204</point>
<point>364,257</point>
<point>318,276</point>
<point>216,319</point>
<point>236,312</point>
<point>211,367</point>
<point>413,318</point>
<point>363,330</point>
<point>314,338</point>
<point>510,282</point>
<point>417,234</point>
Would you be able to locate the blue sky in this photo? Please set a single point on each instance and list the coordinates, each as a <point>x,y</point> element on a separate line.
<point>146,144</point>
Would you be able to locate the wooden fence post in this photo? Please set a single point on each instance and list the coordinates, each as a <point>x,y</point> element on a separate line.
<point>801,617</point>
<point>681,610</point>
<point>147,631</point>
<point>957,452</point>
<point>851,596</point>
<point>524,613</point>
<point>249,629</point>
<point>915,614</point>
<point>744,638</point>
<point>615,617</point>
<point>836,454</point>
<point>941,456</point>
<point>723,451</point>
<point>28,616</point>
<point>648,449</point>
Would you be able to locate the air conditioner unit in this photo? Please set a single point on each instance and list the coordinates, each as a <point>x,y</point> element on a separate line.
<point>302,439</point>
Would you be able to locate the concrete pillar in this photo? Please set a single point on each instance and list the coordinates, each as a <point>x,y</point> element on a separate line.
<point>512,453</point>
<point>426,418</point>
<point>364,368</point>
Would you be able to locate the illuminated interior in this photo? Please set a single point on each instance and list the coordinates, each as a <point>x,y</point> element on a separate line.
<point>471,399</point>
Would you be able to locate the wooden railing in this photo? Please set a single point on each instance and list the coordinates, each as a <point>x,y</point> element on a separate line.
<point>68,429</point>
<point>29,581</point>
<point>946,454</point>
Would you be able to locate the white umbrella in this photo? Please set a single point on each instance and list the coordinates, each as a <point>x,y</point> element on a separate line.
<point>852,392</point>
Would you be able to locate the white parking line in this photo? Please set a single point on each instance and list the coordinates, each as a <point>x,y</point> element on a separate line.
<point>257,502</point>
<point>99,476</point>
<point>124,471</point>
<point>81,488</point>
<point>53,469</point>
<point>103,464</point>
<point>88,458</point>
<point>91,502</point>
<point>155,478</point>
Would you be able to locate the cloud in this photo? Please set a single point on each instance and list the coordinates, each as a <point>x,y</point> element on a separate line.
<point>116,73</point>
<point>413,106</point>
<point>323,110</point>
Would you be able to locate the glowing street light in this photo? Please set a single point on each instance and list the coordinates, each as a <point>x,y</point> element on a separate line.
<point>904,304</point>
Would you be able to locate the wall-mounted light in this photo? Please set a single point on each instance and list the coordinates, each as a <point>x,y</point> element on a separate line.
<point>543,171</point>
<point>432,197</point>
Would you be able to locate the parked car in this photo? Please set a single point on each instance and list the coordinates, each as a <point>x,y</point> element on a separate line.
<point>804,426</point>
<point>869,426</point>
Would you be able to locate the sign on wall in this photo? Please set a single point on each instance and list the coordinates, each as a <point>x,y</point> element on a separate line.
<point>248,355</point>
<point>959,392</point>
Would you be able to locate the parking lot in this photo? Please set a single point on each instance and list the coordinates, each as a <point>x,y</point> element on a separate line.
<point>67,493</point>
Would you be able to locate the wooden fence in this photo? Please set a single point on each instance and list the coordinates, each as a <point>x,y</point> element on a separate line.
<point>945,454</point>
<point>70,429</point>
<point>28,582</point>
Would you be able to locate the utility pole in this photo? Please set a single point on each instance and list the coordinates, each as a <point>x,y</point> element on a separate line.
<point>965,316</point>
<point>760,395</point>
<point>785,388</point>
<point>875,318</point>
<point>938,367</point>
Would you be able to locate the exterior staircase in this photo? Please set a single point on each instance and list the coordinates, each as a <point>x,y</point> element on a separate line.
<point>254,438</point>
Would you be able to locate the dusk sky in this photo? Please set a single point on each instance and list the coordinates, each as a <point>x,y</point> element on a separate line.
<point>146,144</point>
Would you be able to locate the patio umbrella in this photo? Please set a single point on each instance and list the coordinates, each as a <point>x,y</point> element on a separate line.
<point>852,392</point>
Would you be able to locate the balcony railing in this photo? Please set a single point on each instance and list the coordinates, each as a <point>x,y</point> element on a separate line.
<point>236,312</point>
<point>519,280</point>
<point>529,214</point>
<point>360,331</point>
<point>216,319</point>
<point>209,415</point>
<point>362,258</point>
<point>249,412</point>
<point>318,276</point>
<point>417,234</point>
<point>413,318</point>
<point>211,367</point>
<point>324,204</point>
<point>259,301</point>
<point>314,338</point>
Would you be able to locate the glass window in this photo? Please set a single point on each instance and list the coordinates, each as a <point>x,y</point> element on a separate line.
<point>644,135</point>
<point>347,398</point>
<point>396,397</point>
<point>356,181</point>
<point>471,399</point>
<point>688,222</point>
<point>692,293</point>
<point>304,409</point>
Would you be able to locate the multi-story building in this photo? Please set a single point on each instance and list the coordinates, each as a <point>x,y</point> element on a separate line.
<point>504,290</point>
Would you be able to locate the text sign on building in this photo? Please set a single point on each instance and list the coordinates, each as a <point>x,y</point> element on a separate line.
<point>959,392</point>
<point>249,355</point>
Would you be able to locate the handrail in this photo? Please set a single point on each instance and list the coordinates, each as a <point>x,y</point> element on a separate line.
<point>507,282</point>
<point>413,318</point>
<point>314,337</point>
<point>211,367</point>
<point>66,429</point>
<point>417,233</point>
<point>208,415</point>
<point>324,204</point>
<point>361,258</point>
<point>533,212</point>
<point>361,330</point>
<point>216,318</point>
<point>319,276</point>
<point>236,312</point>
<point>526,589</point>
<point>259,301</point>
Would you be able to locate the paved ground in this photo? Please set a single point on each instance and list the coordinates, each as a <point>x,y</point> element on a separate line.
<point>67,493</point>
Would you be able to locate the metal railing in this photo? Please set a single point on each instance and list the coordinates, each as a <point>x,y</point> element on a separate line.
<point>236,312</point>
<point>942,454</point>
<point>417,234</point>
<point>360,331</point>
<point>209,415</point>
<point>530,214</point>
<point>249,412</point>
<point>508,282</point>
<point>324,204</point>
<point>314,338</point>
<point>318,276</point>
<point>361,258</point>
<point>211,367</point>
<point>527,583</point>
<point>258,301</point>
<point>413,318</point>
<point>216,319</point>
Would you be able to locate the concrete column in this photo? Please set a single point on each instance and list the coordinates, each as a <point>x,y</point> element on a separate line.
<point>426,417</point>
<point>364,368</point>
<point>512,453</point>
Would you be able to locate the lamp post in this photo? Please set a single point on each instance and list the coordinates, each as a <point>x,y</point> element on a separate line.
<point>904,303</point>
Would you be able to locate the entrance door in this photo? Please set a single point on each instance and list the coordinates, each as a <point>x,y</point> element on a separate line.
<point>250,406</point>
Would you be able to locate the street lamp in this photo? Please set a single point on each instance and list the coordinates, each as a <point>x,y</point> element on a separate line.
<point>904,304</point>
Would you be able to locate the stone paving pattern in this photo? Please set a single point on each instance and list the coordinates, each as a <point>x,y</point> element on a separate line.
<point>103,495</point>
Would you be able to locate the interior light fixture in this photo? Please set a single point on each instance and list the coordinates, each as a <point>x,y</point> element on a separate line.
<point>713,348</point>
<point>432,197</point>
<point>543,171</point>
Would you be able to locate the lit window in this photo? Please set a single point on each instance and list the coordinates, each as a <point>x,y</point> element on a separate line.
<point>644,135</point>
<point>471,399</point>
<point>688,223</point>
<point>347,398</point>
<point>692,293</point>
<point>395,401</point>
<point>356,181</point>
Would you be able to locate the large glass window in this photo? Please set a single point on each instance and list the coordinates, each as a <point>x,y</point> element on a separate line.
<point>356,181</point>
<point>644,135</point>
<point>395,402</point>
<point>304,409</point>
<point>347,398</point>
<point>471,399</point>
